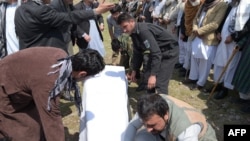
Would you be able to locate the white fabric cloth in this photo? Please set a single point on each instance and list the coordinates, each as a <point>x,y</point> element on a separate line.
<point>191,133</point>
<point>12,41</point>
<point>181,6</point>
<point>188,52</point>
<point>229,73</point>
<point>243,13</point>
<point>225,50</point>
<point>105,106</point>
<point>223,53</point>
<point>200,68</point>
<point>96,41</point>
<point>199,49</point>
<point>201,59</point>
<point>156,13</point>
<point>158,7</point>
<point>244,96</point>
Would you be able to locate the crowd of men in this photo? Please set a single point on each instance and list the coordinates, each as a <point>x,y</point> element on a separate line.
<point>151,36</point>
<point>210,39</point>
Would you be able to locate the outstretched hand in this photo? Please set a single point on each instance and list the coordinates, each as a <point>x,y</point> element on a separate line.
<point>104,7</point>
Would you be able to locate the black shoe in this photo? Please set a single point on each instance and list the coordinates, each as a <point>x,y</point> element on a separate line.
<point>178,65</point>
<point>221,94</point>
<point>182,70</point>
<point>141,87</point>
<point>209,90</point>
<point>182,74</point>
<point>189,81</point>
<point>196,87</point>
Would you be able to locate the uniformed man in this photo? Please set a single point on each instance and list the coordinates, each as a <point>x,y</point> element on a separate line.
<point>163,51</point>
<point>122,45</point>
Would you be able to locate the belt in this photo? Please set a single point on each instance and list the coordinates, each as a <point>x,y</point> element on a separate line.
<point>163,49</point>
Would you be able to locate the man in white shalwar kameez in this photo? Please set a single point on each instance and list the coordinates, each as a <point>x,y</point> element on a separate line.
<point>207,20</point>
<point>239,16</point>
<point>156,14</point>
<point>224,52</point>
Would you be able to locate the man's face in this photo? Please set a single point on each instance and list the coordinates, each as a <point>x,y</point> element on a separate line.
<point>115,15</point>
<point>128,26</point>
<point>156,124</point>
<point>194,2</point>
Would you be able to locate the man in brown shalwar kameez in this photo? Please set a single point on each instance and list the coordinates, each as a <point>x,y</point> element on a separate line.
<point>30,83</point>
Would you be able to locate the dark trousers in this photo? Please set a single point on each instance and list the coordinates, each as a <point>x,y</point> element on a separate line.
<point>165,74</point>
<point>168,62</point>
<point>145,70</point>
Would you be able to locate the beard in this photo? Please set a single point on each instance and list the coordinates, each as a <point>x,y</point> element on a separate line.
<point>195,3</point>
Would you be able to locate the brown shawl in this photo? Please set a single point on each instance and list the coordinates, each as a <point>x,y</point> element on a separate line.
<point>190,12</point>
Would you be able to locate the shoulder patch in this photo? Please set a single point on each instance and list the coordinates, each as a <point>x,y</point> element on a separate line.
<point>146,43</point>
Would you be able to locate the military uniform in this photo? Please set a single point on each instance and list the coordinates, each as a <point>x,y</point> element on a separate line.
<point>126,50</point>
<point>163,52</point>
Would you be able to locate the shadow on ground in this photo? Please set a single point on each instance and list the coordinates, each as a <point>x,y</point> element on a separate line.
<point>70,137</point>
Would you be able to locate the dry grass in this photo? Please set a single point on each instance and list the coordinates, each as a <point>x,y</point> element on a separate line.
<point>218,112</point>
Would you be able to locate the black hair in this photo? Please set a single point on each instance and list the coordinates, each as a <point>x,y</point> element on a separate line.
<point>123,17</point>
<point>117,8</point>
<point>115,45</point>
<point>88,60</point>
<point>150,104</point>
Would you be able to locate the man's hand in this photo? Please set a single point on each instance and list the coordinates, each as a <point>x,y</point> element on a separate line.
<point>218,35</point>
<point>182,36</point>
<point>195,32</point>
<point>229,39</point>
<point>133,79</point>
<point>103,7</point>
<point>87,37</point>
<point>151,81</point>
<point>142,18</point>
<point>101,26</point>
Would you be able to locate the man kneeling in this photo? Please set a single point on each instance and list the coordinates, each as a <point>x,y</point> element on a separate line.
<point>166,118</point>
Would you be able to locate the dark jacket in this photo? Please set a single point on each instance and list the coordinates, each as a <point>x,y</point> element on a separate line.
<point>84,26</point>
<point>146,12</point>
<point>3,48</point>
<point>182,28</point>
<point>39,25</point>
<point>60,6</point>
<point>24,91</point>
<point>156,39</point>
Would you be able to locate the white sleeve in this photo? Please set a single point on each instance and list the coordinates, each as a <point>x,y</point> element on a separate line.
<point>190,134</point>
<point>132,128</point>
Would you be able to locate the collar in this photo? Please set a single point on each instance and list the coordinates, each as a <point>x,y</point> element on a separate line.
<point>136,29</point>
